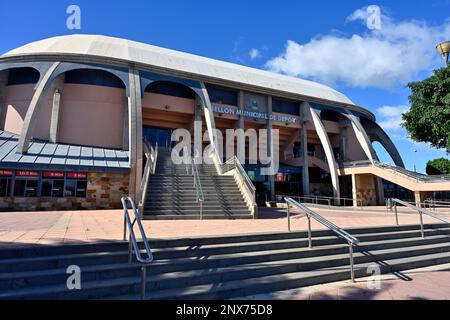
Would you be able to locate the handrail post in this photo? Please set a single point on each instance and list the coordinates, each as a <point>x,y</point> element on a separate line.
<point>130,250</point>
<point>201,210</point>
<point>288,217</point>
<point>396,213</point>
<point>422,232</point>
<point>309,233</point>
<point>352,262</point>
<point>340,232</point>
<point>143,281</point>
<point>124,229</point>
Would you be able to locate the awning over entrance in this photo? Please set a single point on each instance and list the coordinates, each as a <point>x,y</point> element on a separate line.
<point>44,155</point>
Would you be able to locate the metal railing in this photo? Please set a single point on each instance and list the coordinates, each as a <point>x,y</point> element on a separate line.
<point>327,201</point>
<point>433,204</point>
<point>198,187</point>
<point>419,210</point>
<point>351,240</point>
<point>398,170</point>
<point>152,156</point>
<point>132,241</point>
<point>234,163</point>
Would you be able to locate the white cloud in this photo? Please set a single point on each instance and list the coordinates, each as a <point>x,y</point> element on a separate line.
<point>390,117</point>
<point>254,54</point>
<point>384,58</point>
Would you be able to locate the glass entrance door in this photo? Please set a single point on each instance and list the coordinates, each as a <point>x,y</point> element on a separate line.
<point>158,135</point>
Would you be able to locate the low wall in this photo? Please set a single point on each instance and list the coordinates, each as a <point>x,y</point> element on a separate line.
<point>104,191</point>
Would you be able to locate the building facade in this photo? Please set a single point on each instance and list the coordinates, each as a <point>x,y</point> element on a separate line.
<point>76,109</point>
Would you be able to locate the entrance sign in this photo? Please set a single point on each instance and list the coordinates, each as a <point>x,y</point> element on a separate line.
<point>51,174</point>
<point>25,173</point>
<point>6,173</point>
<point>254,115</point>
<point>76,175</point>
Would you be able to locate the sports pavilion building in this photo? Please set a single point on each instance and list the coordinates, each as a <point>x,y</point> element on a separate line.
<point>76,109</point>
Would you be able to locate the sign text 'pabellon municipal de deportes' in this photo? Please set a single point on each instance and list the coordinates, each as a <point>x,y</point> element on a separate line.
<point>82,114</point>
<point>253,114</point>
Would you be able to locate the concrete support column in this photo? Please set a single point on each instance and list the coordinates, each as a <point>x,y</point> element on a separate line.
<point>30,120</point>
<point>197,129</point>
<point>376,133</point>
<point>304,139</point>
<point>210,122</point>
<point>241,126</point>
<point>325,141</point>
<point>135,132</point>
<point>354,191</point>
<point>270,151</point>
<point>125,135</point>
<point>421,196</point>
<point>380,191</point>
<point>3,83</point>
<point>362,137</point>
<point>56,107</point>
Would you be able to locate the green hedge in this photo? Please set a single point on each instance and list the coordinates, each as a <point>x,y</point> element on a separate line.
<point>438,166</point>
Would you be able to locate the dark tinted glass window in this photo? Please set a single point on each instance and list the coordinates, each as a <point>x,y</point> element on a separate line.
<point>76,188</point>
<point>22,76</point>
<point>71,187</point>
<point>222,95</point>
<point>81,189</point>
<point>93,77</point>
<point>329,115</point>
<point>317,175</point>
<point>171,89</point>
<point>5,187</point>
<point>26,188</point>
<point>53,188</point>
<point>284,106</point>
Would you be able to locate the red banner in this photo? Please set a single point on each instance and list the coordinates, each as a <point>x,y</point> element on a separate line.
<point>51,174</point>
<point>280,177</point>
<point>6,173</point>
<point>26,173</point>
<point>76,175</point>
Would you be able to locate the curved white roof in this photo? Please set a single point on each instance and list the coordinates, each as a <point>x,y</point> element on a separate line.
<point>108,47</point>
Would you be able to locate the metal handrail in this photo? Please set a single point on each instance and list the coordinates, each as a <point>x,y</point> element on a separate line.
<point>150,168</point>
<point>132,241</point>
<point>351,240</point>
<point>419,210</point>
<point>234,163</point>
<point>431,203</point>
<point>328,200</point>
<point>398,170</point>
<point>198,187</point>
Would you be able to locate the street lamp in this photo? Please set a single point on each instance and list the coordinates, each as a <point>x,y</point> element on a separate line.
<point>444,50</point>
<point>415,153</point>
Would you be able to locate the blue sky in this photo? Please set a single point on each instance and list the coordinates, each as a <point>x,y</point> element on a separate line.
<point>326,41</point>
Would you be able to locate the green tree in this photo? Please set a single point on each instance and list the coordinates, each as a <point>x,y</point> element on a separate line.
<point>428,120</point>
<point>438,166</point>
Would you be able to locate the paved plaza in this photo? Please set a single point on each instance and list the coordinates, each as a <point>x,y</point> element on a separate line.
<point>31,228</point>
<point>25,228</point>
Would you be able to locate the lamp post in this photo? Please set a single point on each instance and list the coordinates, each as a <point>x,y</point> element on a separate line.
<point>444,50</point>
<point>415,153</point>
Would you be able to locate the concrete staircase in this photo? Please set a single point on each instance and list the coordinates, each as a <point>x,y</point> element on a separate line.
<point>171,193</point>
<point>217,267</point>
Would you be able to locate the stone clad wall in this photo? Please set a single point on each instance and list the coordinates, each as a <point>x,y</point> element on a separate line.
<point>104,191</point>
<point>366,190</point>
